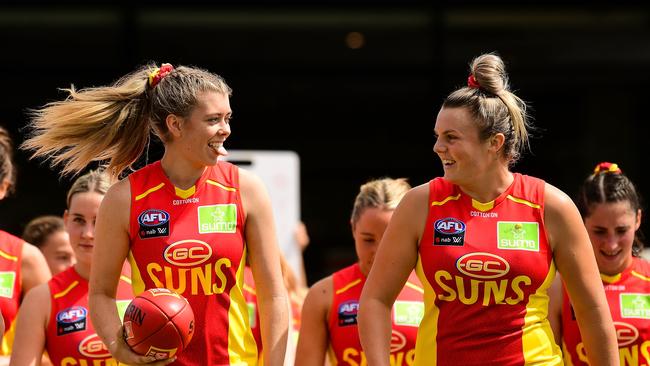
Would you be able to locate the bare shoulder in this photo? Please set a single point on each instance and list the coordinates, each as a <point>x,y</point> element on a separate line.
<point>37,300</point>
<point>31,254</point>
<point>319,296</point>
<point>555,201</point>
<point>249,180</point>
<point>119,193</point>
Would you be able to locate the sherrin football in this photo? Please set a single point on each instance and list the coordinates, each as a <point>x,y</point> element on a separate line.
<point>158,323</point>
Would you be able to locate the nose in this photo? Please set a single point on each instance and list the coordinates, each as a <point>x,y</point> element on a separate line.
<point>438,147</point>
<point>224,129</point>
<point>88,231</point>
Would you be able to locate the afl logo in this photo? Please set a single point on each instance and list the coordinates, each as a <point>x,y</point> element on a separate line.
<point>93,347</point>
<point>626,334</point>
<point>482,265</point>
<point>449,226</point>
<point>72,315</point>
<point>397,341</point>
<point>187,253</point>
<point>153,217</point>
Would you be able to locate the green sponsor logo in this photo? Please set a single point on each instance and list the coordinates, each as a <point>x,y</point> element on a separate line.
<point>251,314</point>
<point>7,282</point>
<point>408,312</point>
<point>121,307</point>
<point>635,306</point>
<point>218,219</point>
<point>518,235</point>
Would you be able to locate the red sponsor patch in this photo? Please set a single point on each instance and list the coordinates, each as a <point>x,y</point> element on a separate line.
<point>483,265</point>
<point>188,253</point>
<point>93,347</point>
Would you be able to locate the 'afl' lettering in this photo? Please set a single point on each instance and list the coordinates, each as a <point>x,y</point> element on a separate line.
<point>449,225</point>
<point>153,217</point>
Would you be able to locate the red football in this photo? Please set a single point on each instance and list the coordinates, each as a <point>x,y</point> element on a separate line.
<point>158,323</point>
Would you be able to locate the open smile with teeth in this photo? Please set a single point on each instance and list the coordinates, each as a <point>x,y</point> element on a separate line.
<point>448,162</point>
<point>610,254</point>
<point>218,148</point>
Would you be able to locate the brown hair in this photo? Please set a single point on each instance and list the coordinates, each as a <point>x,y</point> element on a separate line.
<point>382,193</point>
<point>7,167</point>
<point>493,106</point>
<point>93,181</point>
<point>606,187</point>
<point>113,123</point>
<point>39,228</point>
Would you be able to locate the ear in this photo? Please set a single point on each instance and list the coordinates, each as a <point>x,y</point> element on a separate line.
<point>174,125</point>
<point>638,220</point>
<point>4,187</point>
<point>497,141</point>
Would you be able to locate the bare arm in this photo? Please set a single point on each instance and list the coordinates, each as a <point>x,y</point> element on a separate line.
<point>314,336</point>
<point>575,261</point>
<point>555,309</point>
<point>31,323</point>
<point>398,251</point>
<point>34,268</point>
<point>261,241</point>
<point>109,254</point>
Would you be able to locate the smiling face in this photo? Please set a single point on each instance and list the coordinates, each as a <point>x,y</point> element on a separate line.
<point>202,134</point>
<point>79,222</point>
<point>464,156</point>
<point>611,228</point>
<point>367,232</point>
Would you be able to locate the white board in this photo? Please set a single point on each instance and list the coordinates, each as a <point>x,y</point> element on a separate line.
<point>280,172</point>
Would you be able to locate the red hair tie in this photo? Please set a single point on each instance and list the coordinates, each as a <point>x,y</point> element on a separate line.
<point>472,83</point>
<point>159,73</point>
<point>607,167</point>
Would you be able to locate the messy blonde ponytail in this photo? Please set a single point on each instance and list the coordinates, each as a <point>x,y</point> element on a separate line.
<point>114,123</point>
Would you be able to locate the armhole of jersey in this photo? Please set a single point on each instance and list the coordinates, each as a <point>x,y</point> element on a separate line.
<point>51,318</point>
<point>427,217</point>
<point>331,314</point>
<point>235,179</point>
<point>132,220</point>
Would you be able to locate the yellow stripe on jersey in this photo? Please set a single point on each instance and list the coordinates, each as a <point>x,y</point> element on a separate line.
<point>136,278</point>
<point>65,292</point>
<point>415,287</point>
<point>523,201</point>
<point>249,289</point>
<point>539,347</point>
<point>610,279</point>
<point>150,190</point>
<point>482,206</point>
<point>229,189</point>
<point>426,347</point>
<point>125,279</point>
<point>639,275</point>
<point>348,286</point>
<point>331,356</point>
<point>567,355</point>
<point>450,198</point>
<point>241,344</point>
<point>185,193</point>
<point>8,256</point>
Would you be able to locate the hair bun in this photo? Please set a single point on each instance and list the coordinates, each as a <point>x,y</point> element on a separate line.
<point>489,71</point>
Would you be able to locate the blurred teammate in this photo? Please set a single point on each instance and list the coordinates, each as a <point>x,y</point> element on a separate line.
<point>54,317</point>
<point>329,315</point>
<point>611,210</point>
<point>48,234</point>
<point>22,266</point>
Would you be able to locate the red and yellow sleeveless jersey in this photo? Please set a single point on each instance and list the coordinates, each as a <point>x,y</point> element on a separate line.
<point>486,268</point>
<point>11,249</point>
<point>192,242</point>
<point>70,336</point>
<point>628,296</point>
<point>254,315</point>
<point>344,343</point>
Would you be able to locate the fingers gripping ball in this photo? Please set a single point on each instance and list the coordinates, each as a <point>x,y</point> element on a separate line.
<point>158,323</point>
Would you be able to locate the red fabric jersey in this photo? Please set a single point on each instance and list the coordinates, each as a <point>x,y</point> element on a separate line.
<point>345,346</point>
<point>486,269</point>
<point>192,242</point>
<point>628,296</point>
<point>11,249</point>
<point>70,336</point>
